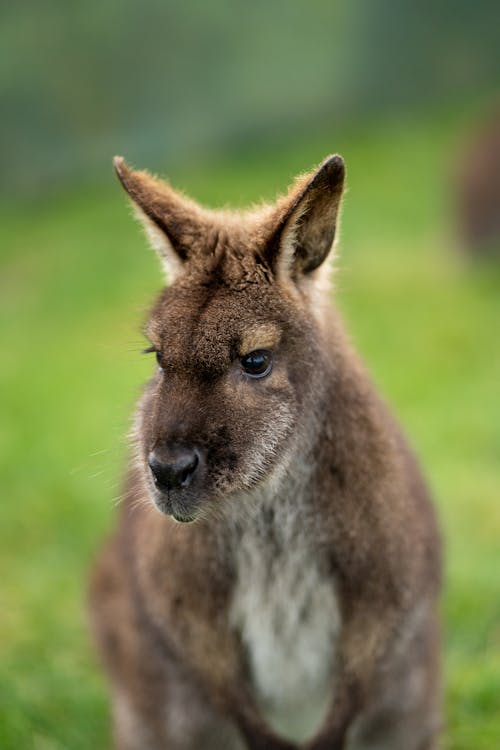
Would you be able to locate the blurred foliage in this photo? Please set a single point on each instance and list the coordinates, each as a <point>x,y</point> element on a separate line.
<point>161,80</point>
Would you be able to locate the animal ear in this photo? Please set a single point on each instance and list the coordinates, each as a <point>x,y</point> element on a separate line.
<point>309,217</point>
<point>171,221</point>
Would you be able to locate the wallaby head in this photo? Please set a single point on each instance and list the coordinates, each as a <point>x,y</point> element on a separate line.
<point>237,336</point>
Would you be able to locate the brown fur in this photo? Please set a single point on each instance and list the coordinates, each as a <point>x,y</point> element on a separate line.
<point>479,191</point>
<point>303,471</point>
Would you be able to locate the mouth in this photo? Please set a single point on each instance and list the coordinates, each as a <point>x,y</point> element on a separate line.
<point>183,519</point>
<point>170,505</point>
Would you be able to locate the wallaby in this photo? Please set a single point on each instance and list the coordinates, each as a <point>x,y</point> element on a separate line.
<point>273,580</point>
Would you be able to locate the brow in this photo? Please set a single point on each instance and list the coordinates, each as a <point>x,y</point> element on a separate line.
<point>264,336</point>
<point>151,331</point>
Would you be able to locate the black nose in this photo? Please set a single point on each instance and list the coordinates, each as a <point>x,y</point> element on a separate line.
<point>174,468</point>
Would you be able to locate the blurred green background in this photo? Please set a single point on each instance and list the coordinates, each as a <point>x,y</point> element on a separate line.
<point>230,100</point>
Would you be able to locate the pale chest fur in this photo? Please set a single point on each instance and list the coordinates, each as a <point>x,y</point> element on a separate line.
<point>285,609</point>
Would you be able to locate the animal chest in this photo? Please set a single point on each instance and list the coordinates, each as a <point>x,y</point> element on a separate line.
<point>285,610</point>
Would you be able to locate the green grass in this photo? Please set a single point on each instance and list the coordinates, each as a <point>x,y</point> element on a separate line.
<point>76,280</point>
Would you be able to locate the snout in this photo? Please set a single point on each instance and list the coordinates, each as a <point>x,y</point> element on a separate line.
<point>173,469</point>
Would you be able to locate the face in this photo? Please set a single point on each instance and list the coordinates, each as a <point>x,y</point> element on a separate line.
<point>234,372</point>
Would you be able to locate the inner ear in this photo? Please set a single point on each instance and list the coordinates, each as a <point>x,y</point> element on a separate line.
<point>306,230</point>
<point>176,226</point>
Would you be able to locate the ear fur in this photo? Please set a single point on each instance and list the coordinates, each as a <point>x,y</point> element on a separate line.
<point>306,228</point>
<point>170,219</point>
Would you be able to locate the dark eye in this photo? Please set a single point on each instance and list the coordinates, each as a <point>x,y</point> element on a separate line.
<point>151,350</point>
<point>257,364</point>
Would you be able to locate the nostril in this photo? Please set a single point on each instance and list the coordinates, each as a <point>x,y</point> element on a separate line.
<point>174,469</point>
<point>188,467</point>
<point>153,463</point>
